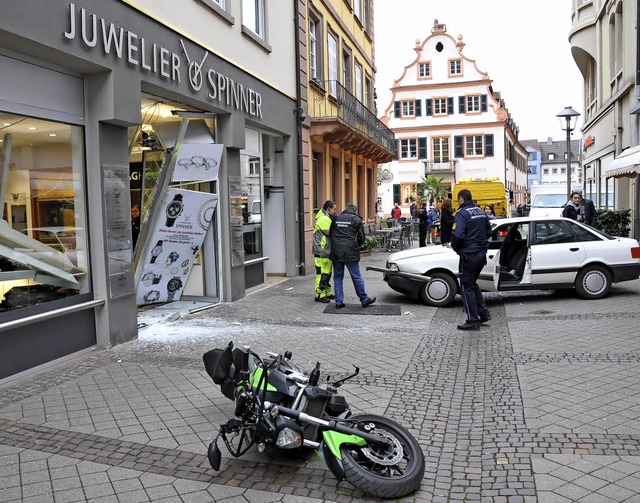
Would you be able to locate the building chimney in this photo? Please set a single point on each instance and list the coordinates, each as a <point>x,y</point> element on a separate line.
<point>549,140</point>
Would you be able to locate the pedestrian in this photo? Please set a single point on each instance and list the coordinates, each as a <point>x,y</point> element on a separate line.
<point>135,224</point>
<point>322,251</point>
<point>413,209</point>
<point>470,240</point>
<point>347,235</point>
<point>572,208</point>
<point>423,222</point>
<point>396,213</point>
<point>446,221</point>
<point>488,209</point>
<point>431,224</point>
<point>588,212</point>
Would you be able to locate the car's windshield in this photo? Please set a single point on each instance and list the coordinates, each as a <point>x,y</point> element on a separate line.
<point>549,200</point>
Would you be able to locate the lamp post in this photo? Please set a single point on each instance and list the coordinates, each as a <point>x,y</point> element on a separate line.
<point>568,118</point>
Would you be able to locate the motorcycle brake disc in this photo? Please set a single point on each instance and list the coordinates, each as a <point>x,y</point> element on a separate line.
<point>388,456</point>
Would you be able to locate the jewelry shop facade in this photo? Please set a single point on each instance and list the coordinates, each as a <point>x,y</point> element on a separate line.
<point>137,166</point>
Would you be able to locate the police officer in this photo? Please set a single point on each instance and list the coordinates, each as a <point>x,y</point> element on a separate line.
<point>470,240</point>
<point>322,251</point>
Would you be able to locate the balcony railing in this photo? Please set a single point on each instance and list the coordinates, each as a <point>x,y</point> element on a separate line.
<point>431,167</point>
<point>332,100</point>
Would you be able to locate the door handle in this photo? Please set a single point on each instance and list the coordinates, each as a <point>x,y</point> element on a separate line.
<point>574,249</point>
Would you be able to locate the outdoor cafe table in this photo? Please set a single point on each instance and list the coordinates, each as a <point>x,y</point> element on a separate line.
<point>383,234</point>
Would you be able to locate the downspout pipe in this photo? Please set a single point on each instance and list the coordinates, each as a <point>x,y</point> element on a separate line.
<point>299,116</point>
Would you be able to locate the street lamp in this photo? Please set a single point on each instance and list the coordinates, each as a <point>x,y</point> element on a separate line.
<point>568,118</point>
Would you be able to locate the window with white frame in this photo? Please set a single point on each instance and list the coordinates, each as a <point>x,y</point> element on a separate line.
<point>357,81</point>
<point>408,108</point>
<point>455,67</point>
<point>313,49</point>
<point>332,49</point>
<point>440,149</point>
<point>551,157</point>
<point>424,70</point>
<point>554,171</point>
<point>473,145</point>
<point>409,149</point>
<point>545,171</point>
<point>439,106</point>
<point>357,8</point>
<point>563,171</point>
<point>473,103</point>
<point>253,17</point>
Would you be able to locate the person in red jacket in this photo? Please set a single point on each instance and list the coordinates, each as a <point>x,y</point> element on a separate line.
<point>396,212</point>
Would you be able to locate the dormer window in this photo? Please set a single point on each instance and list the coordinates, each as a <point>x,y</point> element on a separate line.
<point>455,67</point>
<point>552,157</point>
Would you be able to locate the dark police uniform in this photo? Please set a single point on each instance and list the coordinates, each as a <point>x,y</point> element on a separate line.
<point>470,240</point>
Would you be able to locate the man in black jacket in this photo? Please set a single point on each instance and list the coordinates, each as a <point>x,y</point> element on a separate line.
<point>347,235</point>
<point>470,240</point>
<point>588,212</point>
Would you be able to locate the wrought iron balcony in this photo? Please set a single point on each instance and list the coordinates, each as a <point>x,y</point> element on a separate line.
<point>331,100</point>
<point>439,168</point>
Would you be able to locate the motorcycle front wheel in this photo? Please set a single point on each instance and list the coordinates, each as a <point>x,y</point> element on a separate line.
<point>383,472</point>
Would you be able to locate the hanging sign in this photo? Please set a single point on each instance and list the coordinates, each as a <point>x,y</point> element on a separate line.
<point>173,246</point>
<point>198,161</point>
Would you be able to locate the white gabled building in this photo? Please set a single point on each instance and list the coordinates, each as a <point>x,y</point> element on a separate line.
<point>449,122</point>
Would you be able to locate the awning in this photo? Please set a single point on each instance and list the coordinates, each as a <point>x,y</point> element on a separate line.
<point>626,164</point>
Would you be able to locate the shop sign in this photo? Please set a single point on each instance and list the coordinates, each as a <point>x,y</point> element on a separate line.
<point>588,141</point>
<point>94,31</point>
<point>174,245</point>
<point>386,176</point>
<point>198,161</point>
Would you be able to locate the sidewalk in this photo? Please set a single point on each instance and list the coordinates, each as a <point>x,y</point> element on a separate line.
<point>543,404</point>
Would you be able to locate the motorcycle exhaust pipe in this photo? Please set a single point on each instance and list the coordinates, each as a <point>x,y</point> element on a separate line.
<point>328,425</point>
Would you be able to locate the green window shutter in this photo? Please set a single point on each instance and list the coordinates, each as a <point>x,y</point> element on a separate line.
<point>461,104</point>
<point>422,148</point>
<point>396,109</point>
<point>450,110</point>
<point>418,108</point>
<point>429,103</point>
<point>483,103</point>
<point>458,146</point>
<point>488,145</point>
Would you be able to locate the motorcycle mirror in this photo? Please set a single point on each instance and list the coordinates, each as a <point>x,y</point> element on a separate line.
<point>214,455</point>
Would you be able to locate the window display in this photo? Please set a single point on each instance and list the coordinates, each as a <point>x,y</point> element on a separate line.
<point>43,232</point>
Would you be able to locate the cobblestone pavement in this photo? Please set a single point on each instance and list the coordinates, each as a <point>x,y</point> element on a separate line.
<point>543,404</point>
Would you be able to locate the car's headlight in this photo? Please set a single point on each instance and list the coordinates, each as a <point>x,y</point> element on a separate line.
<point>393,267</point>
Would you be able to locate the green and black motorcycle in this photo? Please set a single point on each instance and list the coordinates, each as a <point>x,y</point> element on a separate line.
<point>277,404</point>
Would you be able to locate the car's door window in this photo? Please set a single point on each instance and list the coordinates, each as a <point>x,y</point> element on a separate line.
<point>498,235</point>
<point>583,234</point>
<point>553,232</point>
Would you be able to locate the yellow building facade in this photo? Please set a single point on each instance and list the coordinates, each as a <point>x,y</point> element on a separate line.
<point>342,139</point>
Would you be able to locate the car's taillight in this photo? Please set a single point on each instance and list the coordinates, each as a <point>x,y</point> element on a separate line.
<point>635,252</point>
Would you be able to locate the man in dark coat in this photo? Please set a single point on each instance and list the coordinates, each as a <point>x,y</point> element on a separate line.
<point>347,235</point>
<point>588,212</point>
<point>470,240</point>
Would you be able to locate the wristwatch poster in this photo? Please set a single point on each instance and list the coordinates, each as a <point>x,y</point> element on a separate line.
<point>156,251</point>
<point>173,286</point>
<point>173,210</point>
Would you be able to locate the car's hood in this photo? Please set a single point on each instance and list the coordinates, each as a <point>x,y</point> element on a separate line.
<point>426,251</point>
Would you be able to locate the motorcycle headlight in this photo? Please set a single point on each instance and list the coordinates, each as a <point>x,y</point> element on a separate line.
<point>289,433</point>
<point>393,267</point>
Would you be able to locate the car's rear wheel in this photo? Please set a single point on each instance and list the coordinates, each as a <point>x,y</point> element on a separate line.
<point>593,282</point>
<point>439,291</point>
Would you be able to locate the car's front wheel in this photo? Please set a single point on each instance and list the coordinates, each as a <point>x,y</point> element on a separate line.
<point>593,282</point>
<point>439,291</point>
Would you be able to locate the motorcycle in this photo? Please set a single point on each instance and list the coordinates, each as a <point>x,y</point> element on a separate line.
<point>278,404</point>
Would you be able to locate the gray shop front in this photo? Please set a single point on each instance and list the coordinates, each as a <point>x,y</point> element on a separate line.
<point>96,103</point>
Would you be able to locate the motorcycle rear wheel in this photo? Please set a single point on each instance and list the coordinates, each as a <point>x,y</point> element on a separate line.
<point>384,473</point>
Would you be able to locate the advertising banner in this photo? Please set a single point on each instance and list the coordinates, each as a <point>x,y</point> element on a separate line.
<point>198,161</point>
<point>174,245</point>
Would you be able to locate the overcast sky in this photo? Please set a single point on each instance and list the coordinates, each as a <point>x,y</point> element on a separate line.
<point>523,46</point>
